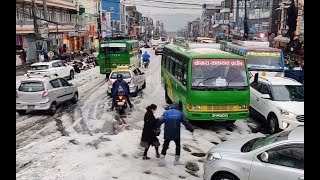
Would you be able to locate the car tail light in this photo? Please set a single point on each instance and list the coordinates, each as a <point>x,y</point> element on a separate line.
<point>131,80</point>
<point>45,94</point>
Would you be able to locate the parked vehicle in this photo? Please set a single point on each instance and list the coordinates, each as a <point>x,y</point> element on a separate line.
<point>132,75</point>
<point>279,156</point>
<point>159,49</point>
<point>279,101</point>
<point>44,94</point>
<point>55,67</point>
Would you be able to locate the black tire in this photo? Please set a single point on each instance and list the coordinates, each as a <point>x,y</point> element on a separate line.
<point>22,112</point>
<point>135,94</point>
<point>273,125</point>
<point>53,109</point>
<point>231,121</point>
<point>225,177</point>
<point>71,76</point>
<point>75,98</point>
<point>144,85</point>
<point>167,98</point>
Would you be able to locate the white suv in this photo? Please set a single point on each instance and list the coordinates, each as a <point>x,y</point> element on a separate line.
<point>55,67</point>
<point>132,75</point>
<point>278,100</point>
<point>44,94</point>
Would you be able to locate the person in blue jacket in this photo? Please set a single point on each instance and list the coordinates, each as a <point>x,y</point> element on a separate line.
<point>146,58</point>
<point>120,86</point>
<point>172,119</point>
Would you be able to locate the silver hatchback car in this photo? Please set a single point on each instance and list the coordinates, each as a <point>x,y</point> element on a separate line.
<point>44,93</point>
<point>279,156</point>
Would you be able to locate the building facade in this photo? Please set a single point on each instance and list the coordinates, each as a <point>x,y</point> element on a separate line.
<point>62,18</point>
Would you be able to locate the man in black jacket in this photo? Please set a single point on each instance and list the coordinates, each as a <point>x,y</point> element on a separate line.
<point>172,119</point>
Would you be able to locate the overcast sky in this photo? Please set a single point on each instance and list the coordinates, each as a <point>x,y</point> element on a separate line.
<point>173,19</point>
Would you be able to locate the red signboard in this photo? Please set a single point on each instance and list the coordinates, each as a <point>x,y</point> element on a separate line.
<point>91,31</point>
<point>218,62</point>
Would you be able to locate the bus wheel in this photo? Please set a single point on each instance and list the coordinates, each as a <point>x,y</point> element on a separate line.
<point>167,98</point>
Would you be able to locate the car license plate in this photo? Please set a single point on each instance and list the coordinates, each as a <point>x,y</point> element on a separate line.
<point>220,115</point>
<point>30,106</point>
<point>120,103</point>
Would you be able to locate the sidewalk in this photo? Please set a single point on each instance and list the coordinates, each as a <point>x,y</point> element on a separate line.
<point>22,69</point>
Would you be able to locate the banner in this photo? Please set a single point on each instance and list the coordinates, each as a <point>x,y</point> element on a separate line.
<point>218,62</point>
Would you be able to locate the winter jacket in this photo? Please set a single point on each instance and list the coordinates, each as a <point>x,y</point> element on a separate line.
<point>172,119</point>
<point>150,125</point>
<point>146,57</point>
<point>117,84</point>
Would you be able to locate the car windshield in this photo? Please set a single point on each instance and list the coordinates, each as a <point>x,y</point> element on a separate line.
<point>270,140</point>
<point>288,92</point>
<point>125,74</point>
<point>39,67</point>
<point>269,59</point>
<point>211,74</point>
<point>31,87</point>
<point>114,48</point>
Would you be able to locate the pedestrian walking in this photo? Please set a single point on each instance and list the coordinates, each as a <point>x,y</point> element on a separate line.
<point>172,119</point>
<point>149,132</point>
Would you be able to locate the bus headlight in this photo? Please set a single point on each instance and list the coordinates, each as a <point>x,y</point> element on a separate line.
<point>194,107</point>
<point>243,106</point>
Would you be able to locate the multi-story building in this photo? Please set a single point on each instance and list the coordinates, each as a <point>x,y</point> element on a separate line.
<point>115,7</point>
<point>62,18</point>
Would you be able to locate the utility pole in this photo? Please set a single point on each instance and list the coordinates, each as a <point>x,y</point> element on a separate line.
<point>245,22</point>
<point>99,20</point>
<point>35,25</point>
<point>45,14</point>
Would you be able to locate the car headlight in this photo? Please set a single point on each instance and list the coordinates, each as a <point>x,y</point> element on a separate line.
<point>213,156</point>
<point>285,112</point>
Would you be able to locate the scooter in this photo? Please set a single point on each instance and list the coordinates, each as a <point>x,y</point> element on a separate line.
<point>121,103</point>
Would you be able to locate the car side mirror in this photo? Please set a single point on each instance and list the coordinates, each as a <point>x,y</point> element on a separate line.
<point>265,96</point>
<point>264,157</point>
<point>70,84</point>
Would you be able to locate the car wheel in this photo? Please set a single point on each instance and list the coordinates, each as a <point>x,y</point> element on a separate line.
<point>22,112</point>
<point>273,124</point>
<point>225,177</point>
<point>53,108</point>
<point>75,98</point>
<point>135,94</point>
<point>144,85</point>
<point>71,75</point>
<point>167,98</point>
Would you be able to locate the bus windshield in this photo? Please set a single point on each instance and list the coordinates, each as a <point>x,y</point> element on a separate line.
<point>217,74</point>
<point>114,48</point>
<point>268,59</point>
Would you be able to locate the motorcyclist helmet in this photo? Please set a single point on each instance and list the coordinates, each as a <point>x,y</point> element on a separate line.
<point>119,76</point>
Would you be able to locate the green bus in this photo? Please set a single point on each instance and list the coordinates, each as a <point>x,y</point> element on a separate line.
<point>209,84</point>
<point>113,53</point>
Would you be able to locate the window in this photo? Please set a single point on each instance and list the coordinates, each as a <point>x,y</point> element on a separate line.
<point>135,72</point>
<point>264,89</point>
<point>167,63</point>
<point>31,87</point>
<point>64,82</point>
<point>173,68</point>
<point>288,155</point>
<point>163,61</point>
<point>55,83</point>
<point>55,65</point>
<point>255,85</point>
<point>61,64</point>
<point>139,72</point>
<point>125,74</point>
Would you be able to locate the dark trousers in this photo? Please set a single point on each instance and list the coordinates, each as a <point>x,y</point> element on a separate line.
<point>146,150</point>
<point>166,146</point>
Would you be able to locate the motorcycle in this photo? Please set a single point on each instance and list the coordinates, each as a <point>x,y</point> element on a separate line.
<point>145,64</point>
<point>121,103</point>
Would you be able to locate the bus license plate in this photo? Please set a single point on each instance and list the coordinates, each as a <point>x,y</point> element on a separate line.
<point>30,106</point>
<point>120,103</point>
<point>220,115</point>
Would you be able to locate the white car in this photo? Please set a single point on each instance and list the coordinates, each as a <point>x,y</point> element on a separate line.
<point>44,94</point>
<point>279,101</point>
<point>279,156</point>
<point>55,67</point>
<point>132,75</point>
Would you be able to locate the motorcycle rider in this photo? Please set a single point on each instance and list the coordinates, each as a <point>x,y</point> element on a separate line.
<point>120,86</point>
<point>146,58</point>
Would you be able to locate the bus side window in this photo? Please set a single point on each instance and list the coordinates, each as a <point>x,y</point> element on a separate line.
<point>163,61</point>
<point>167,63</point>
<point>172,67</point>
<point>184,75</point>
